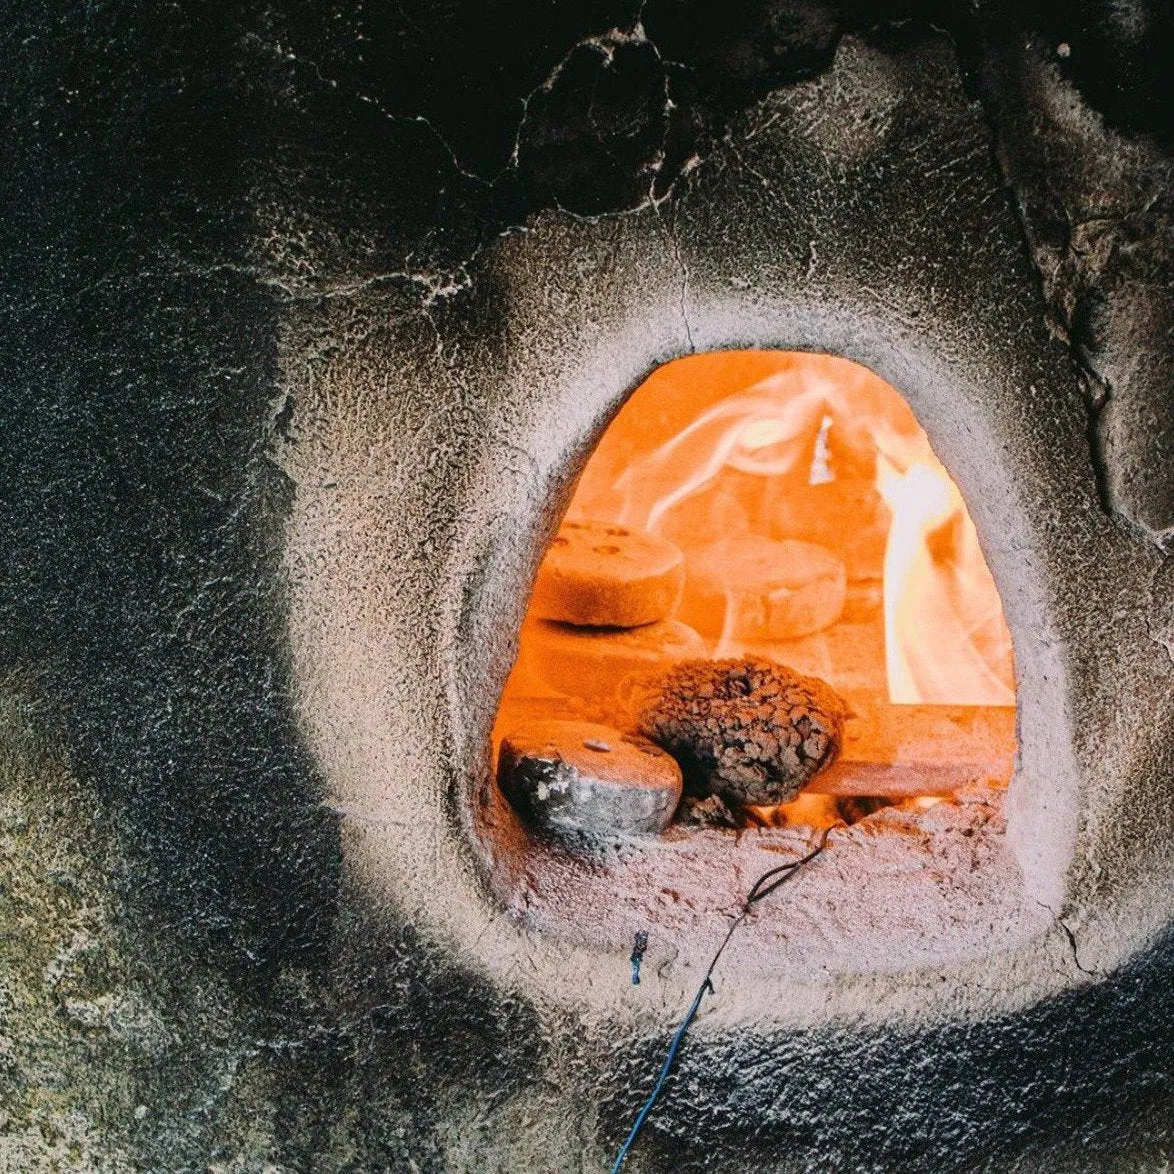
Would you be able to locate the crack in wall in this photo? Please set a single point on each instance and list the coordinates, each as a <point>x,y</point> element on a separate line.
<point>284,53</point>
<point>1070,936</point>
<point>1093,210</point>
<point>1097,394</point>
<point>683,293</point>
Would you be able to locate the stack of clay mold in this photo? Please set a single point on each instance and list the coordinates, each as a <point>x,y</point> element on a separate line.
<point>648,718</point>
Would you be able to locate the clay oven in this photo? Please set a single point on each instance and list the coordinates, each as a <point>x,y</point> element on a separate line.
<point>766,572</point>
<point>842,219</point>
<point>348,346</point>
<point>495,426</point>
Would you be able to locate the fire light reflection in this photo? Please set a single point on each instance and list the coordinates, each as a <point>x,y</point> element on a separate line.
<point>822,451</point>
<point>818,529</point>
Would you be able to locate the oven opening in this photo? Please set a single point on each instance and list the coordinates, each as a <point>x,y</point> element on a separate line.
<point>766,607</point>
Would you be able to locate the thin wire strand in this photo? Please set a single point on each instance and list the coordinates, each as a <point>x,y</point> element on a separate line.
<point>762,888</point>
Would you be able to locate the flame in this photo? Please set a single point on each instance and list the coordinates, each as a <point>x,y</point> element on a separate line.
<point>938,596</point>
<point>723,453</point>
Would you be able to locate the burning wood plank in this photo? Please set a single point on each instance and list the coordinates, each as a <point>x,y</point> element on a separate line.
<point>901,751</point>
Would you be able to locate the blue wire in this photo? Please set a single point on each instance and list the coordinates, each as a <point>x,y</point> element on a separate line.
<point>759,890</point>
<point>665,1068</point>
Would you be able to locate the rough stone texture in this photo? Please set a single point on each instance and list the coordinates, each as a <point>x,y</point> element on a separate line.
<point>1098,209</point>
<point>266,343</point>
<point>583,779</point>
<point>745,729</point>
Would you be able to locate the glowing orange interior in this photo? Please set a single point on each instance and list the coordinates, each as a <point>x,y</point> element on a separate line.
<point>804,495</point>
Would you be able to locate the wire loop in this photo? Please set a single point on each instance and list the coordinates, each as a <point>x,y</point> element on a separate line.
<point>762,888</point>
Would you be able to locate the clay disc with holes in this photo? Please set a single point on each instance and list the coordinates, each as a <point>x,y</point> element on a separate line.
<point>600,575</point>
<point>760,589</point>
<point>587,779</point>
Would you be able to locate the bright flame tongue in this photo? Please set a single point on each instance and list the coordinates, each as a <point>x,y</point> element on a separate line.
<point>931,591</point>
<point>821,451</point>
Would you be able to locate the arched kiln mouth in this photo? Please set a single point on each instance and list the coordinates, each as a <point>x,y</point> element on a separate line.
<point>766,613</point>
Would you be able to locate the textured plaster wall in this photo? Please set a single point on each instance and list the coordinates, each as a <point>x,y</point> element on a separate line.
<point>299,351</point>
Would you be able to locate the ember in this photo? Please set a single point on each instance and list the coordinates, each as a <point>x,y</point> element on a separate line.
<point>781,517</point>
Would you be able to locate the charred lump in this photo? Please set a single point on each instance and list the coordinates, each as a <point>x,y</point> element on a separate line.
<point>746,729</point>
